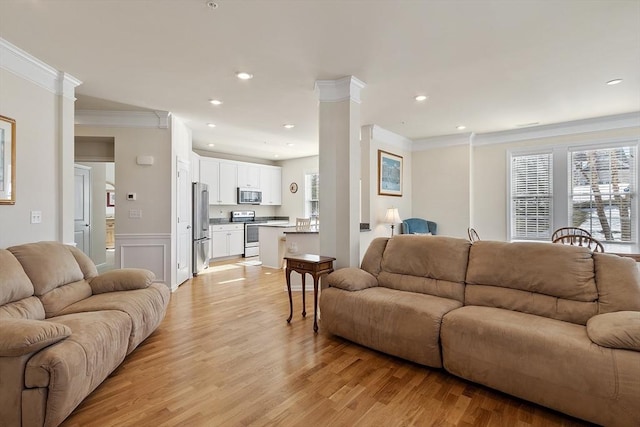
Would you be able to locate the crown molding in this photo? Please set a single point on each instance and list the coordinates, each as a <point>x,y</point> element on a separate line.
<point>123,119</point>
<point>390,138</point>
<point>346,88</point>
<point>442,141</point>
<point>28,67</point>
<point>597,124</point>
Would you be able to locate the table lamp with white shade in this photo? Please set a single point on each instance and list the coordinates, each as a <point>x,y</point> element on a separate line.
<point>392,217</point>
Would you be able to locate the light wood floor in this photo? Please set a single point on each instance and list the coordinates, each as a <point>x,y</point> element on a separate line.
<point>225,356</point>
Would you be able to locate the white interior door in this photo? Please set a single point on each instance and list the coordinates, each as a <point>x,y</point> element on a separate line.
<point>183,241</point>
<point>82,210</point>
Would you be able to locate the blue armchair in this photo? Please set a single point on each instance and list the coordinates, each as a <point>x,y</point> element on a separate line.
<point>418,226</point>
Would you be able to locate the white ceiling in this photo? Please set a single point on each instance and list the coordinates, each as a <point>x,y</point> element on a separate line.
<point>490,65</point>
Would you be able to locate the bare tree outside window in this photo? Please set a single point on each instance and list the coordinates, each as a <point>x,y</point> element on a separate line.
<point>602,190</point>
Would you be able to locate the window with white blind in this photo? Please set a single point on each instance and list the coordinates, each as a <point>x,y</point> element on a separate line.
<point>531,196</point>
<point>312,195</point>
<point>567,186</point>
<point>602,192</point>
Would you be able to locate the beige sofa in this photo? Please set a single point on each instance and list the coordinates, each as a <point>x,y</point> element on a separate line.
<point>64,328</point>
<point>549,323</point>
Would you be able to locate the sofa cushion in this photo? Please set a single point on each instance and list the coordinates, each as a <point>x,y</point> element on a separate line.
<point>144,307</point>
<point>27,308</point>
<point>404,324</point>
<point>14,282</point>
<point>48,265</point>
<point>547,361</point>
<point>618,281</point>
<point>124,279</point>
<point>372,260</point>
<point>532,271</point>
<point>434,265</point>
<point>24,336</point>
<point>57,299</point>
<point>616,330</point>
<point>74,367</point>
<point>351,279</point>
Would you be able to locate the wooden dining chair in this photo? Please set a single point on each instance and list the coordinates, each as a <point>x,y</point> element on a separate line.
<point>565,231</point>
<point>580,240</point>
<point>303,224</point>
<point>473,235</point>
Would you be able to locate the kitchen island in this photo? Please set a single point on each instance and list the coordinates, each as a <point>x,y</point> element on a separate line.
<point>280,240</point>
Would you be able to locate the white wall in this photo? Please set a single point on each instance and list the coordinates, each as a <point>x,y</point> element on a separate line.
<point>457,188</point>
<point>489,205</point>
<point>152,184</point>
<point>39,162</point>
<point>441,188</point>
<point>294,171</point>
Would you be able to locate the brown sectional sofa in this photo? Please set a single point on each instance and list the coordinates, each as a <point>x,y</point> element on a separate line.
<point>64,328</point>
<point>553,324</point>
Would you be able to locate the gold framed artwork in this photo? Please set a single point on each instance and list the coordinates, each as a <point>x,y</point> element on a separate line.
<point>389,174</point>
<point>7,161</point>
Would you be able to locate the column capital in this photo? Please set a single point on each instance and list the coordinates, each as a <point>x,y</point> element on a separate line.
<point>346,88</point>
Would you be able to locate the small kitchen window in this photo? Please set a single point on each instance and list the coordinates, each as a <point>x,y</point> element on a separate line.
<point>312,195</point>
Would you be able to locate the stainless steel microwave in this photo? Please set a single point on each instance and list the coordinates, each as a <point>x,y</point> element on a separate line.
<point>249,196</point>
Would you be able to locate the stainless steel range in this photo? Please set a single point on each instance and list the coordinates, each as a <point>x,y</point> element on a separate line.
<point>251,231</point>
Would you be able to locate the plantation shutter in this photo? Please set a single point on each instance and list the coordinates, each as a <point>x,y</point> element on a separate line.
<point>531,196</point>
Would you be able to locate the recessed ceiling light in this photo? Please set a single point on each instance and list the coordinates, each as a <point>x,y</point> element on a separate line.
<point>288,126</point>
<point>614,82</point>
<point>211,145</point>
<point>276,155</point>
<point>421,98</point>
<point>290,144</point>
<point>461,127</point>
<point>211,125</point>
<point>215,101</point>
<point>244,76</point>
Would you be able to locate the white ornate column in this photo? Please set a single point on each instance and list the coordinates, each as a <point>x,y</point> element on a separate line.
<point>65,92</point>
<point>339,140</point>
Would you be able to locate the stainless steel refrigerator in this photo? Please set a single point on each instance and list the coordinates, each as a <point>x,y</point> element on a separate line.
<point>201,238</point>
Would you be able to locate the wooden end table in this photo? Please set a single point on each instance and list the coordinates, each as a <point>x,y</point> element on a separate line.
<point>316,266</point>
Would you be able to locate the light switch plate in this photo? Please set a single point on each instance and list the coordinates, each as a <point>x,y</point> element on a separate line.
<point>135,213</point>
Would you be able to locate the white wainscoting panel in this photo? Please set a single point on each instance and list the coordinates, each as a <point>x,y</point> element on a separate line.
<point>150,251</point>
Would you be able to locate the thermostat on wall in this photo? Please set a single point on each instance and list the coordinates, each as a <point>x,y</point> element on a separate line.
<point>131,196</point>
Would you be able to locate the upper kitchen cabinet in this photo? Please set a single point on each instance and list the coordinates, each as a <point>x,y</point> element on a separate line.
<point>271,185</point>
<point>222,178</point>
<point>248,175</point>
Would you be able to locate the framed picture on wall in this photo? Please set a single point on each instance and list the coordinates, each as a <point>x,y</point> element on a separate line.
<point>111,198</point>
<point>389,174</point>
<point>7,160</point>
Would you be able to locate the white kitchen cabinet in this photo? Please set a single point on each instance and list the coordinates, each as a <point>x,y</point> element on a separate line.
<point>227,240</point>
<point>271,185</point>
<point>222,178</point>
<point>228,183</point>
<point>248,175</point>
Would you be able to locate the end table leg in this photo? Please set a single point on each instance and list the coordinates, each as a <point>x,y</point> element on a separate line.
<point>315,304</point>
<point>289,291</point>
<point>304,304</point>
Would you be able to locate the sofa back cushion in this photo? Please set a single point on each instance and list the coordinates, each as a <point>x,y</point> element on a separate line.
<point>434,265</point>
<point>372,260</point>
<point>57,278</point>
<point>551,280</point>
<point>618,282</point>
<point>14,282</point>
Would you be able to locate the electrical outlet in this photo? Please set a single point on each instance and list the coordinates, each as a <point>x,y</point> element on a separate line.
<point>36,217</point>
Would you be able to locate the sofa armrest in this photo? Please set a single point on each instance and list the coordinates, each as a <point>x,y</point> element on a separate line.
<point>351,279</point>
<point>124,279</point>
<point>620,329</point>
<point>23,336</point>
